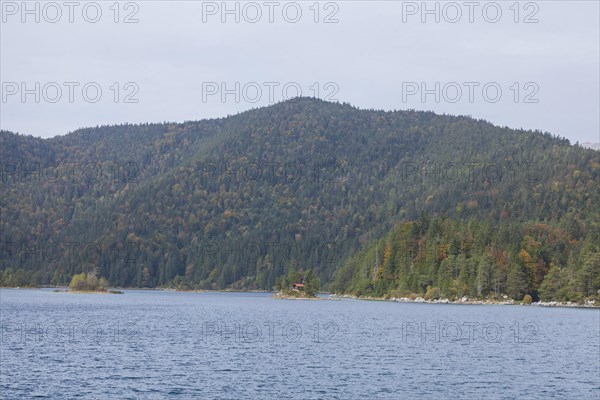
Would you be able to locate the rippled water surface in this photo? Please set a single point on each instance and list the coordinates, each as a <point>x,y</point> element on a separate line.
<point>155,345</point>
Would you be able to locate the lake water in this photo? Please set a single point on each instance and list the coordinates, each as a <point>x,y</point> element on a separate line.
<point>156,345</point>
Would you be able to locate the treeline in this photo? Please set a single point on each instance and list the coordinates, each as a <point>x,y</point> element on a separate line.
<point>440,257</point>
<point>20,278</point>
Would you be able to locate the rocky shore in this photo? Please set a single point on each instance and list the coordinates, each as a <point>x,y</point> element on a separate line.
<point>466,300</point>
<point>295,296</point>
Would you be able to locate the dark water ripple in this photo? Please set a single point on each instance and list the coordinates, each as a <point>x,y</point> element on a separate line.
<point>156,345</point>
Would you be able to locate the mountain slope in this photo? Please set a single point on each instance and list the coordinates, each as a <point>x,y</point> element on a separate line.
<point>233,202</point>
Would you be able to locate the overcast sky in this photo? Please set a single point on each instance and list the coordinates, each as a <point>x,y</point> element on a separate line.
<point>531,65</point>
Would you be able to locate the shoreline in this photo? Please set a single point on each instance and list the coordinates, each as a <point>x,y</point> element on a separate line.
<point>109,291</point>
<point>467,301</point>
<point>157,289</point>
<point>333,296</point>
<point>283,296</point>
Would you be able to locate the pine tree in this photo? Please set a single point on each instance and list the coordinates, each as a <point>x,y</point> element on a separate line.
<point>516,281</point>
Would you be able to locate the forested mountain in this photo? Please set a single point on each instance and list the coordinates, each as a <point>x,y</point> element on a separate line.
<point>327,187</point>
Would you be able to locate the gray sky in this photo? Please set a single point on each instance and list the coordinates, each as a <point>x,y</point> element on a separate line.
<point>179,56</point>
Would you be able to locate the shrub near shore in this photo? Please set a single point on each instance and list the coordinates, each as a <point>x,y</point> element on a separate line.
<point>88,283</point>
